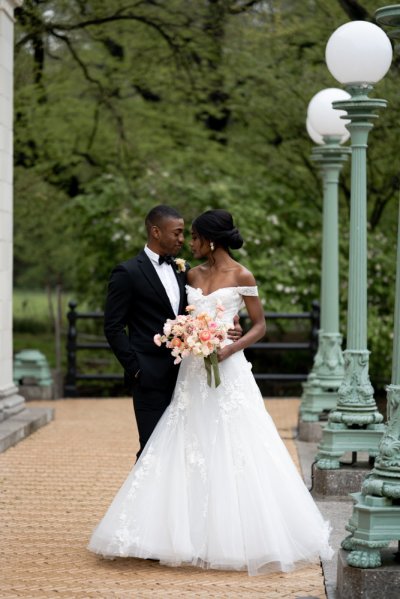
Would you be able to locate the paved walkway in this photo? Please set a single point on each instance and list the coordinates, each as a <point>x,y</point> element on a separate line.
<point>56,485</point>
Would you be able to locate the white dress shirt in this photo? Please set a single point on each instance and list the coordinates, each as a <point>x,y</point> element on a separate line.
<point>167,277</point>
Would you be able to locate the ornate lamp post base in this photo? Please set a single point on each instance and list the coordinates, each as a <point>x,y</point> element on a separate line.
<point>339,440</point>
<point>320,392</point>
<point>376,514</point>
<point>374,523</point>
<point>355,424</point>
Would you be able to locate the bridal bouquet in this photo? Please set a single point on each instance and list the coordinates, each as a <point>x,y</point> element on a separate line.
<point>200,335</point>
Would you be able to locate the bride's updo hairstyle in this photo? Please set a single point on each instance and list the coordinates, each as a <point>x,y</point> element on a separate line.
<point>217,226</point>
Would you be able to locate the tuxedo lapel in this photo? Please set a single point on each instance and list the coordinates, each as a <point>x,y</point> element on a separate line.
<point>150,273</point>
<point>181,278</point>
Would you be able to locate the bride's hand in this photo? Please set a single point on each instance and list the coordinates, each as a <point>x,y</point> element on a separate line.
<point>224,352</point>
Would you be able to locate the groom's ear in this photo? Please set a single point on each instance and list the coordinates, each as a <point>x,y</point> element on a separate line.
<point>155,232</point>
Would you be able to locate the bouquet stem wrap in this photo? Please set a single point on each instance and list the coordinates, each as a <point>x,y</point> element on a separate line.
<point>211,364</point>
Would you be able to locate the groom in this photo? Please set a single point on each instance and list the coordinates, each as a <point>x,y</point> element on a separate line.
<point>142,293</point>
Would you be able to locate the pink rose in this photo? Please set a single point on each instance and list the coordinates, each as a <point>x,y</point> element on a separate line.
<point>176,342</point>
<point>157,339</point>
<point>205,336</point>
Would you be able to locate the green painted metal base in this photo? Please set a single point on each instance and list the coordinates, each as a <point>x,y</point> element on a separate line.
<point>328,362</point>
<point>376,514</point>
<point>316,399</point>
<point>356,405</point>
<point>385,477</point>
<point>375,522</point>
<point>320,392</point>
<point>339,439</point>
<point>355,424</point>
<point>32,364</point>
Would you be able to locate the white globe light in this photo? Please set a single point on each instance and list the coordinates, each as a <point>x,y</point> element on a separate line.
<point>316,137</point>
<point>323,118</point>
<point>358,52</point>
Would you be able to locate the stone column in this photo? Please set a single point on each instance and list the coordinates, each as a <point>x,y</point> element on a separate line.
<point>10,401</point>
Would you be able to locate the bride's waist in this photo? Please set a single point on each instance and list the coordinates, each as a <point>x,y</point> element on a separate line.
<point>227,342</point>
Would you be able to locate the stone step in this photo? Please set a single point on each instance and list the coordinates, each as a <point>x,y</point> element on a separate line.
<point>23,424</point>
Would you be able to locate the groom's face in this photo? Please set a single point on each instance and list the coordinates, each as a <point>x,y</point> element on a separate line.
<point>170,236</point>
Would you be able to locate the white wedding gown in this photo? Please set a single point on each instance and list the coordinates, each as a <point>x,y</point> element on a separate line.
<point>215,486</point>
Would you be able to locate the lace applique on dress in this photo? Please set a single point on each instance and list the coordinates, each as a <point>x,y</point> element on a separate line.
<point>248,291</point>
<point>194,457</point>
<point>126,534</point>
<point>178,406</point>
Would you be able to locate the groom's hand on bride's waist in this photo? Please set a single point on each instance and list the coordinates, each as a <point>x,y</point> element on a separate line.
<point>236,332</point>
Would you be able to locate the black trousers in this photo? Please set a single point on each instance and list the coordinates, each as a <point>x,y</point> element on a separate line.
<point>149,405</point>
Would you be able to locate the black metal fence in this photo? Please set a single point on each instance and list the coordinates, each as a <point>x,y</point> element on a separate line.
<point>256,353</point>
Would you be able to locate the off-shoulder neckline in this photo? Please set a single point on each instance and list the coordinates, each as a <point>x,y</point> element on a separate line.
<point>219,289</point>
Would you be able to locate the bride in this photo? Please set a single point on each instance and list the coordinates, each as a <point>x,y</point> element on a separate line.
<point>215,486</point>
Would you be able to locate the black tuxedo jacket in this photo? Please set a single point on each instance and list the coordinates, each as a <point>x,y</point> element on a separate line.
<point>137,307</point>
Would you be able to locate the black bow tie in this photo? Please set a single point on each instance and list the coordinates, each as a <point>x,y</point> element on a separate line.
<point>166,259</point>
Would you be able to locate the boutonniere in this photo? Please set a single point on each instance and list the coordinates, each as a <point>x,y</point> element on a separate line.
<point>180,264</point>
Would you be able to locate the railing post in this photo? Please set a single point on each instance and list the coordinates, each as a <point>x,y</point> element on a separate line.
<point>70,380</point>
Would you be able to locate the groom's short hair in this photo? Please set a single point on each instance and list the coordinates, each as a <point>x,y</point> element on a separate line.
<point>158,214</point>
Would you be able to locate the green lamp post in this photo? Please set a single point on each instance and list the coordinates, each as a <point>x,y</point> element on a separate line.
<point>358,54</point>
<point>376,514</point>
<point>327,129</point>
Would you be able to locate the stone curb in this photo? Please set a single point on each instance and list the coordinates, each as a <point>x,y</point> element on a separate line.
<point>23,424</point>
<point>335,509</point>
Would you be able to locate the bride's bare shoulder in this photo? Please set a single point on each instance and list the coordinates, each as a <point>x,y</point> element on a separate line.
<point>194,273</point>
<point>244,277</point>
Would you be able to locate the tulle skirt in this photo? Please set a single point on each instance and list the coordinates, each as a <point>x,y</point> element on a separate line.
<point>215,486</point>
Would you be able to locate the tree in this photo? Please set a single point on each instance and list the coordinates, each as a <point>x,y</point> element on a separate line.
<point>122,105</point>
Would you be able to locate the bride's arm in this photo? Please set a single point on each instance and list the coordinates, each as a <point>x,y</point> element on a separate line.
<point>257,331</point>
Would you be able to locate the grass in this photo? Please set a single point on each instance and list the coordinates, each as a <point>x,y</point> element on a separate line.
<point>33,326</point>
<point>33,329</point>
<point>31,309</point>
<point>31,312</point>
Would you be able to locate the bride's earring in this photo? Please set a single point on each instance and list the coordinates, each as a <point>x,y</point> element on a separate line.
<point>212,246</point>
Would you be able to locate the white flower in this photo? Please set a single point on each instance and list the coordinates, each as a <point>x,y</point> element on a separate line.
<point>272,218</point>
<point>191,340</point>
<point>180,264</point>
<point>167,328</point>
